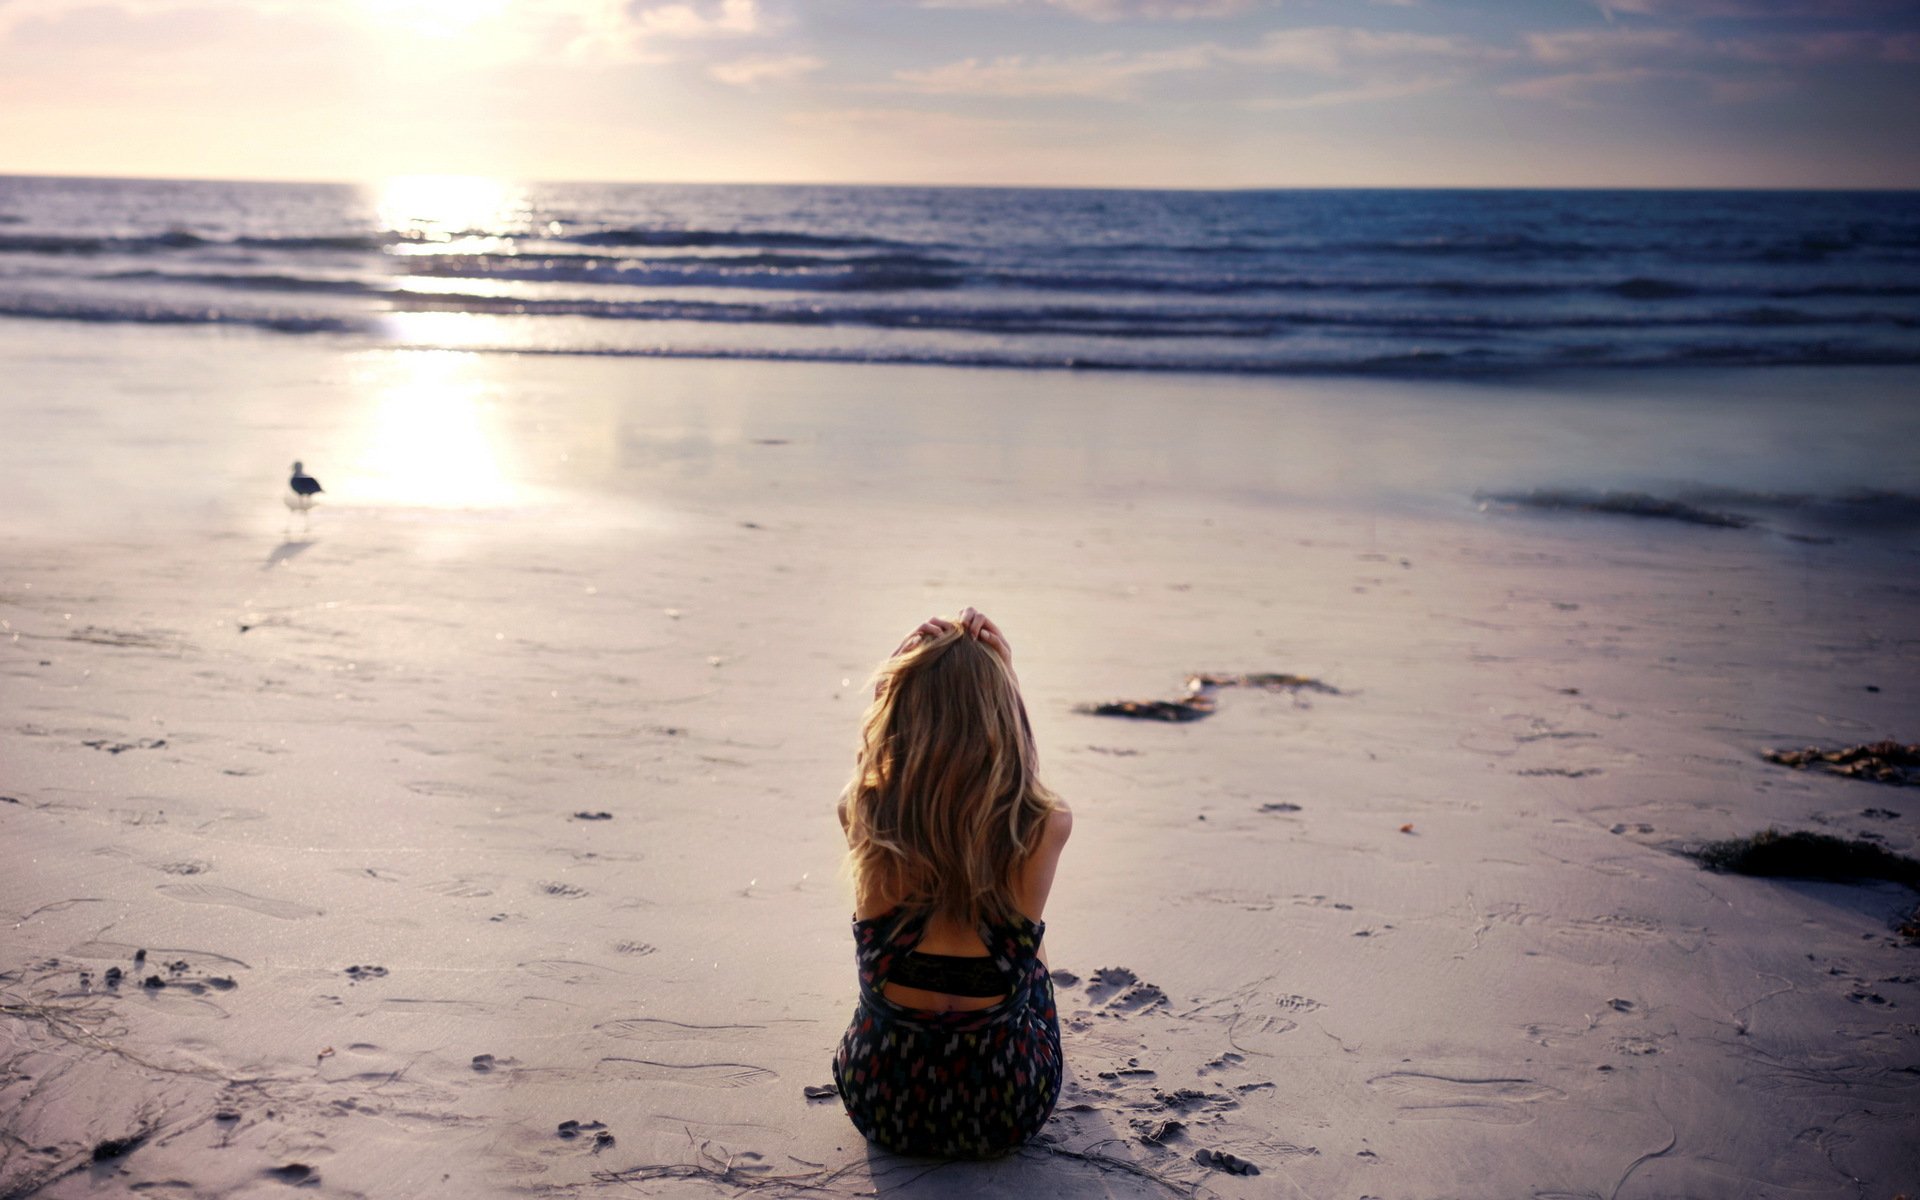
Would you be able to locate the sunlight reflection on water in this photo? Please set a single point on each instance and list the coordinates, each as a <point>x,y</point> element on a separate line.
<point>431,436</point>
<point>440,208</point>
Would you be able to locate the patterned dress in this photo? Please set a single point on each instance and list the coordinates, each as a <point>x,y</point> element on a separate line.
<point>950,1084</point>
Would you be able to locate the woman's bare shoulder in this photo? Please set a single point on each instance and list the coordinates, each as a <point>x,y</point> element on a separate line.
<point>1059,824</point>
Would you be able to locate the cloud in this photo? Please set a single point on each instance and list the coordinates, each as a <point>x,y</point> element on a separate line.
<point>918,122</point>
<point>1647,47</point>
<point>1588,45</point>
<point>751,72</point>
<point>1584,88</point>
<point>727,18</point>
<point>1153,10</point>
<point>1119,10</point>
<point>1820,49</point>
<point>1371,59</point>
<point>1363,94</point>
<point>1697,10</point>
<point>617,32</point>
<point>1108,11</point>
<point>1332,49</point>
<point>1109,76</point>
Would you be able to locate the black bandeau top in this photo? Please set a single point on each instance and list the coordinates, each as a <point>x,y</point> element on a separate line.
<point>973,976</point>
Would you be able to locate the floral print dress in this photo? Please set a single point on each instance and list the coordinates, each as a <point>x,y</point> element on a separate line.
<point>950,1084</point>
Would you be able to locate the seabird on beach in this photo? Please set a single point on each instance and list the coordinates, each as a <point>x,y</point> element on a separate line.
<point>301,489</point>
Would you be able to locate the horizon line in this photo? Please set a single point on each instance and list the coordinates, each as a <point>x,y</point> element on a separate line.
<point>376,180</point>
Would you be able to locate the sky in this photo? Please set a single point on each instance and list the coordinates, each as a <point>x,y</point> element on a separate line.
<point>1136,93</point>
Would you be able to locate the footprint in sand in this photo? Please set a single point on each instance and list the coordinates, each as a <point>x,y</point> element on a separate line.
<point>1226,1062</point>
<point>211,893</point>
<point>440,787</point>
<point>707,1075</point>
<point>1245,900</point>
<point>462,887</point>
<point>659,1029</point>
<point>562,970</point>
<point>1118,990</point>
<point>187,866</point>
<point>1497,1101</point>
<point>1257,1015</point>
<point>203,959</point>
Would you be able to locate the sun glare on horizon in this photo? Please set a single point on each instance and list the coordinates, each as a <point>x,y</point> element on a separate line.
<point>440,208</point>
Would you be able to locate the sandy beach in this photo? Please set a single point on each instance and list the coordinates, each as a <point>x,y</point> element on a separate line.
<point>497,793</point>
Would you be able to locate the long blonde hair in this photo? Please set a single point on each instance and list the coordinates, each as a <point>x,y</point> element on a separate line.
<point>945,803</point>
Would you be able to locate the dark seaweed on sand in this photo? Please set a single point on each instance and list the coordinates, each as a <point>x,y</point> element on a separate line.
<point>1800,855</point>
<point>1807,856</point>
<point>113,1148</point>
<point>1266,680</point>
<point>1199,701</point>
<point>1190,708</point>
<point>1626,504</point>
<point>1888,762</point>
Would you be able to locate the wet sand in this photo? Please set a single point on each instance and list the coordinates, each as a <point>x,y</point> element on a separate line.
<point>474,835</point>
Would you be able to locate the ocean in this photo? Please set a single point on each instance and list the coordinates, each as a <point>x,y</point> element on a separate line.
<point>1438,282</point>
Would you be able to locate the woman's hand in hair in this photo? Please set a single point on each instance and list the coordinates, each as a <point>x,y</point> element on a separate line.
<point>931,627</point>
<point>981,628</point>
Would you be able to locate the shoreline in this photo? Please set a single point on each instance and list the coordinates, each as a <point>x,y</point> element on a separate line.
<point>361,332</point>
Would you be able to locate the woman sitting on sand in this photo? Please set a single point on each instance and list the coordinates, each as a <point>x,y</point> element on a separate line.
<point>954,1050</point>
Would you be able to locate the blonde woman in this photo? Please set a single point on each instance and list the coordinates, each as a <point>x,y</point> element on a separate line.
<point>954,1050</point>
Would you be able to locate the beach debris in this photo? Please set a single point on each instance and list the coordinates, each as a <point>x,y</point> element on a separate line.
<point>483,1063</point>
<point>1155,1133</point>
<point>1407,828</point>
<point>601,1141</point>
<point>1880,814</point>
<point>359,974</point>
<point>295,1173</point>
<point>1265,680</point>
<point>1133,1070</point>
<point>226,1115</point>
<point>1814,856</point>
<point>1625,504</point>
<point>1889,762</point>
<point>113,747</point>
<point>1220,1160</point>
<point>573,1129</point>
<point>112,1148</point>
<point>113,976</point>
<point>821,1091</point>
<point>593,816</point>
<point>325,1052</point>
<point>1192,708</point>
<point>1280,807</point>
<point>1807,856</point>
<point>139,956</point>
<point>222,983</point>
<point>1199,701</point>
<point>153,983</point>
